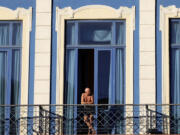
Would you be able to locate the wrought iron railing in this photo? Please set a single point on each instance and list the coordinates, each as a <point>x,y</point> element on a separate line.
<point>92,119</point>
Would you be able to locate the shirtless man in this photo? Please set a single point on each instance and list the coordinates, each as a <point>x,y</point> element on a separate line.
<point>88,98</point>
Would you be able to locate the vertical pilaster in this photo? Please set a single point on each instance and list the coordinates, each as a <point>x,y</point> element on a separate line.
<point>147,52</point>
<point>42,52</point>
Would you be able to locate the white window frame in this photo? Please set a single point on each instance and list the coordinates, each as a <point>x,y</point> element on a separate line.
<point>166,13</point>
<point>96,12</point>
<point>24,15</point>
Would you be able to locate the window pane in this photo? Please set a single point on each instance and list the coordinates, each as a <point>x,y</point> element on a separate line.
<point>175,32</point>
<point>16,34</point>
<point>4,34</point>
<point>119,92</point>
<point>69,89</point>
<point>104,74</point>
<point>70,77</point>
<point>70,34</point>
<point>175,89</point>
<point>95,33</point>
<point>3,67</point>
<point>120,33</point>
<point>15,79</point>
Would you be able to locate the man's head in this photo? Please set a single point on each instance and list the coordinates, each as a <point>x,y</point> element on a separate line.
<point>88,91</point>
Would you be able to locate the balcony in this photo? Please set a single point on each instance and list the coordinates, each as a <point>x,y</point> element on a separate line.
<point>73,119</point>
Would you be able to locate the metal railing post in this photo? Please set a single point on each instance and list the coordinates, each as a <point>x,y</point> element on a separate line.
<point>40,119</point>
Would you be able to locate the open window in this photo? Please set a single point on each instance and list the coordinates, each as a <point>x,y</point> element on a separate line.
<point>86,36</point>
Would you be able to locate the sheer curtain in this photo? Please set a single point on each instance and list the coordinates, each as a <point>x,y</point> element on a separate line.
<point>119,77</point>
<point>70,88</point>
<point>2,86</point>
<point>102,35</point>
<point>4,34</point>
<point>120,34</point>
<point>16,38</point>
<point>175,86</point>
<point>175,32</point>
<point>70,34</point>
<point>119,91</point>
<point>15,80</point>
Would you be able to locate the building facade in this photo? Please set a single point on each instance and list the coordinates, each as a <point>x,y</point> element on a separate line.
<point>126,51</point>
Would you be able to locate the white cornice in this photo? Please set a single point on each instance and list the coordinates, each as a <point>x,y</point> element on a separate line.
<point>119,13</point>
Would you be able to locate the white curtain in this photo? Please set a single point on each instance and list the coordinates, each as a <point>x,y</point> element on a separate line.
<point>70,88</point>
<point>70,34</point>
<point>120,34</point>
<point>175,87</point>
<point>102,35</point>
<point>3,79</point>
<point>15,81</point>
<point>4,34</point>
<point>175,32</point>
<point>119,88</point>
<point>17,34</point>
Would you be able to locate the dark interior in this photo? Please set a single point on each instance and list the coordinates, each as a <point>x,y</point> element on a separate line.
<point>85,71</point>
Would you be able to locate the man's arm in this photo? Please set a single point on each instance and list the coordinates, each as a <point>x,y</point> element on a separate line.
<point>82,99</point>
<point>91,101</point>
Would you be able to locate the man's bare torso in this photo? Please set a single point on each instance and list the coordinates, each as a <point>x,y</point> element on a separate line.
<point>87,99</point>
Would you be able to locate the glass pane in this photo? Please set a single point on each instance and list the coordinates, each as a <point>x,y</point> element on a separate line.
<point>4,34</point>
<point>70,34</point>
<point>3,78</point>
<point>15,79</point>
<point>69,90</point>
<point>95,33</point>
<point>175,32</point>
<point>3,67</point>
<point>175,89</point>
<point>120,33</point>
<point>70,76</point>
<point>16,34</point>
<point>119,91</point>
<point>104,81</point>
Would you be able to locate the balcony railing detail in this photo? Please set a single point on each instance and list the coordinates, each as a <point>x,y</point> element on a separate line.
<point>106,119</point>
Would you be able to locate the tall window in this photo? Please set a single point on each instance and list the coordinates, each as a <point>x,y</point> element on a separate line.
<point>175,72</point>
<point>10,52</point>
<point>95,58</point>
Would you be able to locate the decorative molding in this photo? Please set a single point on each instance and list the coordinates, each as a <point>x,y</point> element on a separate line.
<point>21,13</point>
<point>18,14</point>
<point>170,12</point>
<point>120,13</point>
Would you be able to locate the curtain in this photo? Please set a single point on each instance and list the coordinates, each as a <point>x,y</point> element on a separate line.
<point>16,38</point>
<point>119,88</point>
<point>2,87</point>
<point>175,88</point>
<point>70,34</point>
<point>95,33</point>
<point>175,32</point>
<point>120,34</point>
<point>70,88</point>
<point>4,34</point>
<point>15,89</point>
<point>102,35</point>
<point>15,80</point>
<point>119,77</point>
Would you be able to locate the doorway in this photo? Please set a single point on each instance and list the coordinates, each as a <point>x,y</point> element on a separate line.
<point>85,71</point>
